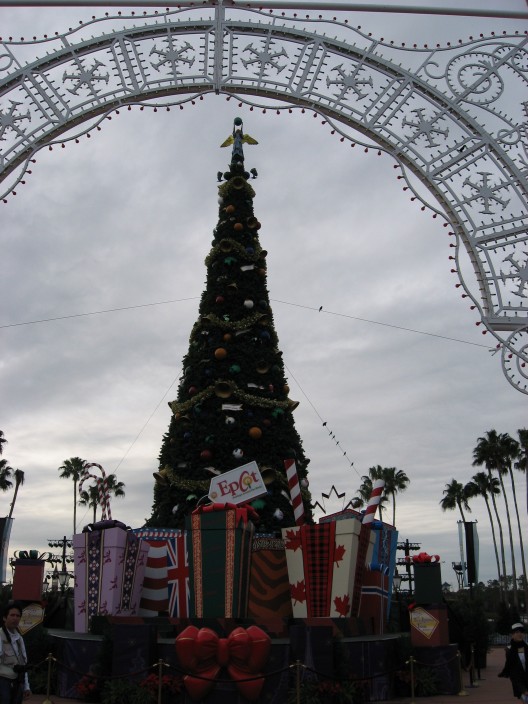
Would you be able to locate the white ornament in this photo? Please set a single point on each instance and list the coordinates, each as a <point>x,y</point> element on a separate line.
<point>278,514</point>
<point>248,303</point>
<point>238,453</point>
<point>304,483</point>
<point>175,509</point>
<point>229,420</point>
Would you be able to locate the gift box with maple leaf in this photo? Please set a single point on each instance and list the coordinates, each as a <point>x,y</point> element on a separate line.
<point>321,567</point>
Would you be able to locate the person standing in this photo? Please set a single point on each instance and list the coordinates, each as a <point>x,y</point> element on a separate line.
<point>516,666</point>
<point>14,683</point>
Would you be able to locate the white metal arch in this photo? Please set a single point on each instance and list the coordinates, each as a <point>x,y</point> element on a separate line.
<point>452,115</point>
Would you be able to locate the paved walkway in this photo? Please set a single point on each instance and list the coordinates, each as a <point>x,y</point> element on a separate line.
<point>490,689</point>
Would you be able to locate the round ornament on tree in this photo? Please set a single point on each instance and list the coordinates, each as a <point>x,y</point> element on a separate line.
<point>230,209</point>
<point>278,514</point>
<point>220,353</point>
<point>238,453</point>
<point>248,303</point>
<point>255,433</point>
<point>206,455</point>
<point>229,420</point>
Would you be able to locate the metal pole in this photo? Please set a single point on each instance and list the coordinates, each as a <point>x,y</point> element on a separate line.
<point>160,679</point>
<point>276,5</point>
<point>48,681</point>
<point>462,692</point>
<point>298,681</point>
<point>411,662</point>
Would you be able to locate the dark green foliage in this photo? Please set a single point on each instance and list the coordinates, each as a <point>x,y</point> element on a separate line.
<point>223,396</point>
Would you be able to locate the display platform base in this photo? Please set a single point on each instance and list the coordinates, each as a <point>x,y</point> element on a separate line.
<point>324,650</point>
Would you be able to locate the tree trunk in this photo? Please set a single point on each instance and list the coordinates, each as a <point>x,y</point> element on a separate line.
<point>501,590</point>
<point>521,543</point>
<point>512,551</point>
<point>11,509</point>
<point>501,541</point>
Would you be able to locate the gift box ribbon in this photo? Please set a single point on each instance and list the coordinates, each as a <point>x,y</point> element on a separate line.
<point>203,653</point>
<point>423,557</point>
<point>244,513</point>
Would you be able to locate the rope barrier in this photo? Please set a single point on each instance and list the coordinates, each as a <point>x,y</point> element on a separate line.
<point>297,666</point>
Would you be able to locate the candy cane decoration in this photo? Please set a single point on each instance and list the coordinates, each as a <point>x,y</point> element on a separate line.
<point>295,491</point>
<point>364,535</point>
<point>373,502</point>
<point>102,489</point>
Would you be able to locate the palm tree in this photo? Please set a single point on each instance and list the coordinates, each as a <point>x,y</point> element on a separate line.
<point>395,481</point>
<point>5,476</point>
<point>90,497</point>
<point>496,451</point>
<point>73,469</point>
<point>482,484</point>
<point>2,441</point>
<point>19,480</point>
<point>455,496</point>
<point>522,465</point>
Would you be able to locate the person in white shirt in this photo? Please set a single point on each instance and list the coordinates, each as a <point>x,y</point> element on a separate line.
<point>14,683</point>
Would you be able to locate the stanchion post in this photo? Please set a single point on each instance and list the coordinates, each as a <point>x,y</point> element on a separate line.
<point>462,692</point>
<point>411,668</point>
<point>472,667</point>
<point>48,682</point>
<point>160,679</point>
<point>298,680</point>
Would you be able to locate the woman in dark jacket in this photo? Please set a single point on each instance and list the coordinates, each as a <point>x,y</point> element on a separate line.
<point>516,667</point>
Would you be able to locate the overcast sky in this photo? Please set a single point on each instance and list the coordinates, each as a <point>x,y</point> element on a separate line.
<point>126,219</point>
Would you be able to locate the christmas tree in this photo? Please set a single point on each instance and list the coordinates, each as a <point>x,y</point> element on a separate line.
<point>232,405</point>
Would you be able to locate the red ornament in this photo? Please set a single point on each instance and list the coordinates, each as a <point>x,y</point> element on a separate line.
<point>206,455</point>
<point>193,390</point>
<point>219,299</point>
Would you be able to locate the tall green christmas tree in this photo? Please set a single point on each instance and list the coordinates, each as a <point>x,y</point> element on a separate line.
<point>233,405</point>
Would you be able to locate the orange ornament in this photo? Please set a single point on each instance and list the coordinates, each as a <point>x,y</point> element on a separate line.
<point>238,227</point>
<point>255,433</point>
<point>229,209</point>
<point>286,389</point>
<point>227,337</point>
<point>220,353</point>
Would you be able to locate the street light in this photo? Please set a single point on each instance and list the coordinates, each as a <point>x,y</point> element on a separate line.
<point>396,581</point>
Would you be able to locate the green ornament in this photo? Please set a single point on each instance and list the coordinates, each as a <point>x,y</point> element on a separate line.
<point>257,504</point>
<point>234,369</point>
<point>277,412</point>
<point>237,121</point>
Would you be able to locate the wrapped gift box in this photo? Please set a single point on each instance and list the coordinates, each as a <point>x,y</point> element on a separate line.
<point>321,567</point>
<point>166,582</point>
<point>219,545</point>
<point>375,603</point>
<point>28,576</point>
<point>269,586</point>
<point>109,570</point>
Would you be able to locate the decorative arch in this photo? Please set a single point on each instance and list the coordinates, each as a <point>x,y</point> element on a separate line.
<point>452,116</point>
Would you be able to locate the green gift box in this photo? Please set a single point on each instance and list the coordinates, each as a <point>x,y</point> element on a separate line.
<point>219,547</point>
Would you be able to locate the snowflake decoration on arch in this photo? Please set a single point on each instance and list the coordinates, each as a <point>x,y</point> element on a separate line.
<point>425,127</point>
<point>486,193</point>
<point>87,77</point>
<point>349,81</point>
<point>9,120</point>
<point>173,55</point>
<point>519,272</point>
<point>267,57</point>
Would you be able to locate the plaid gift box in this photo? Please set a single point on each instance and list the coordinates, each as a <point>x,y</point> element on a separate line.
<point>321,567</point>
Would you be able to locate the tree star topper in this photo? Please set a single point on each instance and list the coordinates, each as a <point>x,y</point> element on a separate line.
<point>237,139</point>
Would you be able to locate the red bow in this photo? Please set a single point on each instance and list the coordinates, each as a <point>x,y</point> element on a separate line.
<point>425,557</point>
<point>244,653</point>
